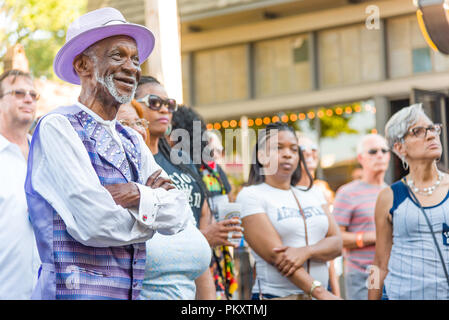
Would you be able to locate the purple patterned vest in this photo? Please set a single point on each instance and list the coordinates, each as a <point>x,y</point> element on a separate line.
<point>71,270</point>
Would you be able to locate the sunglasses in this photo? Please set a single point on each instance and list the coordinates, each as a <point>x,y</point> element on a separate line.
<point>374,151</point>
<point>421,132</point>
<point>21,94</point>
<point>155,103</point>
<point>139,122</point>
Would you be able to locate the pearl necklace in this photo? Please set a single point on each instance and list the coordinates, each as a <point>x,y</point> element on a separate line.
<point>425,191</point>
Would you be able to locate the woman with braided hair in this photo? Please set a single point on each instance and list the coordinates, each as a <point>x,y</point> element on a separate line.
<point>177,268</point>
<point>217,184</point>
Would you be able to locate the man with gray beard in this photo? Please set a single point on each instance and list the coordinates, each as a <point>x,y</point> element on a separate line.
<point>94,191</point>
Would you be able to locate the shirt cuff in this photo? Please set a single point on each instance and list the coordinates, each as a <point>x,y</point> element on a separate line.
<point>148,207</point>
<point>175,212</point>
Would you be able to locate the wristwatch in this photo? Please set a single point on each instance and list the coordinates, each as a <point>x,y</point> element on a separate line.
<point>315,284</point>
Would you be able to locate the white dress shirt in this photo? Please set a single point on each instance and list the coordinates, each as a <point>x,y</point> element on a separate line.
<point>19,259</point>
<point>64,176</point>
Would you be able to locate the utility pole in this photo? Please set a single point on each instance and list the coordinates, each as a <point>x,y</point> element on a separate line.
<point>161,17</point>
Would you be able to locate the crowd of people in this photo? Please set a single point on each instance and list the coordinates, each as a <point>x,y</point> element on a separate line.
<point>108,200</point>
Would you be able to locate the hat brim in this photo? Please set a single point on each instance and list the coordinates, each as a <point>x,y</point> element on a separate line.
<point>63,63</point>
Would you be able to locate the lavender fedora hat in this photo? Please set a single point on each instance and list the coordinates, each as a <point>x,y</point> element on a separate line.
<point>93,27</point>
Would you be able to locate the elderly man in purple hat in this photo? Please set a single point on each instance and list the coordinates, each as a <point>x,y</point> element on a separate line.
<point>94,191</point>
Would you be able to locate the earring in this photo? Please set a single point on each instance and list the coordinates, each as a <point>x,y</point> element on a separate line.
<point>404,163</point>
<point>168,131</point>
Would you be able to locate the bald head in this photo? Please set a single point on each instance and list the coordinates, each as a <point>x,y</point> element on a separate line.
<point>368,140</point>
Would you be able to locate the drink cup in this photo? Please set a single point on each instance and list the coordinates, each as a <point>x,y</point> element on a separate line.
<point>227,211</point>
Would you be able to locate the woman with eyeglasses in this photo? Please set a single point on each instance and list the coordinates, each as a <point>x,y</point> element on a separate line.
<point>177,266</point>
<point>412,215</point>
<point>131,115</point>
<point>291,233</point>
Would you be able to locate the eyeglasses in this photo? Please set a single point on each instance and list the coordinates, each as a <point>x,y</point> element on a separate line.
<point>374,151</point>
<point>139,122</point>
<point>155,103</point>
<point>311,148</point>
<point>421,132</point>
<point>21,94</point>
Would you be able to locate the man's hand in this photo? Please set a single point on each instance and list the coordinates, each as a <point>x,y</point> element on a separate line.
<point>217,233</point>
<point>155,181</point>
<point>291,259</point>
<point>126,195</point>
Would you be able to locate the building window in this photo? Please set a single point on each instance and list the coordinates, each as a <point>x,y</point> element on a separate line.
<point>282,66</point>
<point>349,55</point>
<point>221,75</point>
<point>421,60</point>
<point>408,52</point>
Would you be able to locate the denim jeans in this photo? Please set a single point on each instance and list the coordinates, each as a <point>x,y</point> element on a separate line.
<point>355,284</point>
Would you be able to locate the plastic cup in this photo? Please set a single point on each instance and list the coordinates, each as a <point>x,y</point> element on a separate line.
<point>228,211</point>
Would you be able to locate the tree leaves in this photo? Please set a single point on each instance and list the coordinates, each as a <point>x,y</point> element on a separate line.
<point>40,26</point>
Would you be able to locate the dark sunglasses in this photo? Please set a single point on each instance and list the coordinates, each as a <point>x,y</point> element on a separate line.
<point>21,94</point>
<point>155,103</point>
<point>374,151</point>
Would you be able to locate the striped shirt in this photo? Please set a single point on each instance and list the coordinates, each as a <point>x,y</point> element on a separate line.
<point>354,208</point>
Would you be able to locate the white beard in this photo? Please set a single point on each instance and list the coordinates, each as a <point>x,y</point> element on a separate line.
<point>108,83</point>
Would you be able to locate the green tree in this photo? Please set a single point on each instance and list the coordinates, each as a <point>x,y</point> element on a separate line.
<point>40,26</point>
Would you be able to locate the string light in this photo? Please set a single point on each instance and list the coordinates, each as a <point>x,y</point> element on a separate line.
<point>320,114</point>
<point>311,115</point>
<point>293,117</point>
<point>266,120</point>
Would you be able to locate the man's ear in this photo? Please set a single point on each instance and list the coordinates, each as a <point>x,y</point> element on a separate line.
<point>360,158</point>
<point>83,65</point>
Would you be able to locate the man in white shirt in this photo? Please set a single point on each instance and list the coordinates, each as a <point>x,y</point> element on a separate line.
<point>19,259</point>
<point>94,189</point>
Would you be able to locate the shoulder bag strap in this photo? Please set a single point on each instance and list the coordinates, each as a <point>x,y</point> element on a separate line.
<point>305,224</point>
<point>430,227</point>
